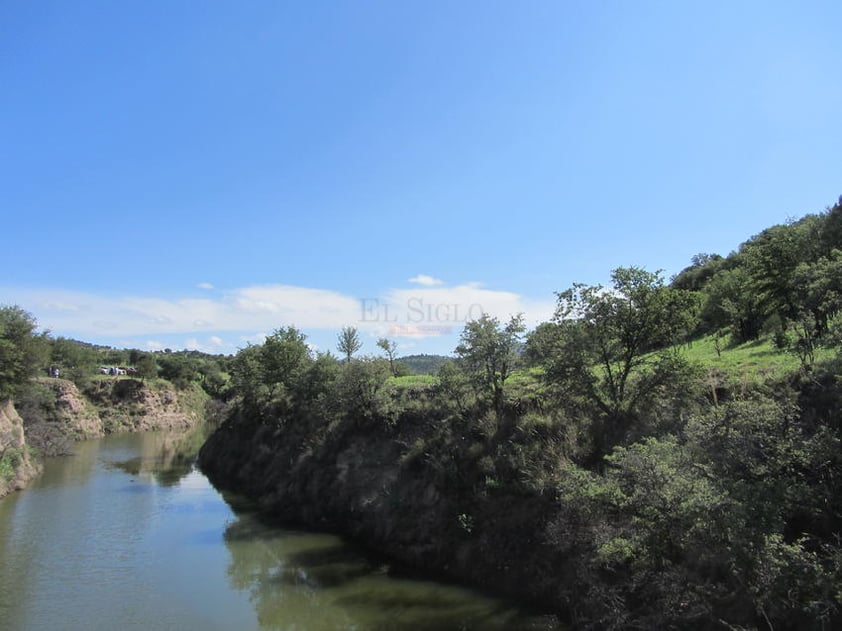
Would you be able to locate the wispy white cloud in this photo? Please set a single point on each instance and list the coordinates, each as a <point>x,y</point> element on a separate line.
<point>426,281</point>
<point>205,286</point>
<point>248,313</point>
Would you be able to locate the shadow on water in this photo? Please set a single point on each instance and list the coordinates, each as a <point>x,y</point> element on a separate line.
<point>299,580</point>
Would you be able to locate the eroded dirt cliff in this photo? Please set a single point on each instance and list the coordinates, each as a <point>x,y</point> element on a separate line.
<point>17,465</point>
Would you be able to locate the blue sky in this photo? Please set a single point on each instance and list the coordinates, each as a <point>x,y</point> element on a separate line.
<point>196,174</point>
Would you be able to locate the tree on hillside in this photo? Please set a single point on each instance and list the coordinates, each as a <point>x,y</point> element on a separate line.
<point>390,347</point>
<point>488,352</point>
<point>349,342</point>
<point>540,343</point>
<point>728,300</point>
<point>702,267</point>
<point>22,350</point>
<point>771,259</point>
<point>615,347</point>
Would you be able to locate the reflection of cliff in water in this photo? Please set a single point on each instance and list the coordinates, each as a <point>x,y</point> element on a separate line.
<point>316,582</point>
<point>167,457</point>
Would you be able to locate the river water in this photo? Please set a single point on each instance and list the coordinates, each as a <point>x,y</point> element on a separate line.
<point>127,534</point>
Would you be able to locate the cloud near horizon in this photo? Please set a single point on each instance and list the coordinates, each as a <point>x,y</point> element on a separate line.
<point>426,281</point>
<point>426,311</point>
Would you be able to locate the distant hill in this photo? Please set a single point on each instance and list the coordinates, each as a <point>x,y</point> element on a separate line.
<point>423,364</point>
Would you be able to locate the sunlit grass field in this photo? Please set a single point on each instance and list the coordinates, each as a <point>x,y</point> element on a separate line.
<point>751,361</point>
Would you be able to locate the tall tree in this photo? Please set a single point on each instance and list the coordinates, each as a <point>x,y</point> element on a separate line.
<point>615,346</point>
<point>771,259</point>
<point>22,350</point>
<point>488,352</point>
<point>284,356</point>
<point>349,342</point>
<point>390,347</point>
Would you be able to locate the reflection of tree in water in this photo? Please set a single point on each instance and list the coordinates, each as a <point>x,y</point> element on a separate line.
<point>314,582</point>
<point>167,456</point>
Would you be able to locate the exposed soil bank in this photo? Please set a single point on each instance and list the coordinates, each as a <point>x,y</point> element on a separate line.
<point>17,466</point>
<point>53,413</point>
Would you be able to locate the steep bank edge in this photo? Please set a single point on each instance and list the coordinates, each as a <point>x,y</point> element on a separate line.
<point>17,466</point>
<point>359,483</point>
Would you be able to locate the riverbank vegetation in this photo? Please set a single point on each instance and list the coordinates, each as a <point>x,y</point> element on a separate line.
<point>661,454</point>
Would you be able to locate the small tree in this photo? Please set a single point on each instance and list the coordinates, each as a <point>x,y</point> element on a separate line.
<point>390,347</point>
<point>364,390</point>
<point>349,342</point>
<point>147,366</point>
<point>489,352</point>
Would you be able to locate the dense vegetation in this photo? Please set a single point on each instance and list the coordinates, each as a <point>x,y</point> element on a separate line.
<point>642,488</point>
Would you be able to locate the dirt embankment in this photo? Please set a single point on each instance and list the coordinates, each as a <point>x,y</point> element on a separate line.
<point>129,405</point>
<point>17,466</point>
<point>58,413</point>
<point>53,413</point>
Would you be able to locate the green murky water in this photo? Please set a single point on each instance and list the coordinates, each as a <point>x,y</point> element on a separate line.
<point>126,534</point>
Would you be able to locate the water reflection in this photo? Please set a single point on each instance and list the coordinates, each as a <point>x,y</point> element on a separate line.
<point>165,457</point>
<point>125,535</point>
<point>317,582</point>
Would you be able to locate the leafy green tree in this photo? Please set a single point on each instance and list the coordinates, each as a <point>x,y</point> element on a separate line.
<point>364,392</point>
<point>771,259</point>
<point>146,366</point>
<point>247,379</point>
<point>349,342</point>
<point>830,234</point>
<point>541,343</point>
<point>179,368</point>
<point>214,379</point>
<point>318,383</point>
<point>819,290</point>
<point>699,272</point>
<point>22,350</point>
<point>488,352</point>
<point>454,386</point>
<point>390,347</point>
<point>284,356</point>
<point>77,360</point>
<point>729,300</point>
<point>617,347</point>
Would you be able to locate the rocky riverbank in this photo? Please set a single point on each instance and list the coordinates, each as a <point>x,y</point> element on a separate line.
<point>17,465</point>
<point>51,414</point>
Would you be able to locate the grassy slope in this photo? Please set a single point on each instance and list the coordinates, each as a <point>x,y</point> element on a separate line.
<point>751,362</point>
